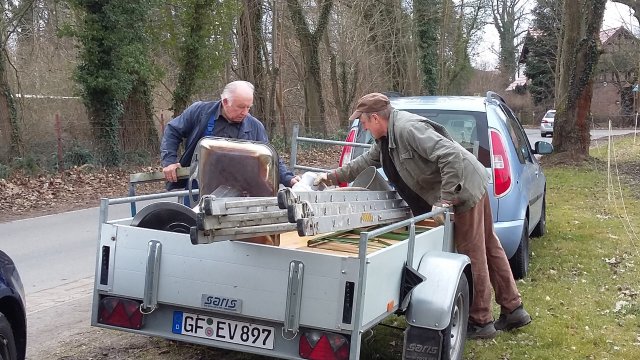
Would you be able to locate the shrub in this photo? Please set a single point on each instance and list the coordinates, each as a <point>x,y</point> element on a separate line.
<point>77,156</point>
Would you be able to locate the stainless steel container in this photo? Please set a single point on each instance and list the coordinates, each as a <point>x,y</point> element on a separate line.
<point>249,168</point>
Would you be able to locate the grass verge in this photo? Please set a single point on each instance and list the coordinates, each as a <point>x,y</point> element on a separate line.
<point>582,291</point>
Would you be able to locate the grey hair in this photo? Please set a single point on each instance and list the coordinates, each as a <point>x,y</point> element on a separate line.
<point>231,88</point>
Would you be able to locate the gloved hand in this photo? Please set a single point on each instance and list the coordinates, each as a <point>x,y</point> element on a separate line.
<point>322,178</point>
<point>440,218</point>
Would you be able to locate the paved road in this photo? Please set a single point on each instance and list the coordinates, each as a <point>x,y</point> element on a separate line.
<point>534,135</point>
<point>55,256</point>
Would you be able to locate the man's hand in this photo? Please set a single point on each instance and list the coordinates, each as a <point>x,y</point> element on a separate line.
<point>440,205</point>
<point>170,172</point>
<point>322,178</point>
<point>294,180</point>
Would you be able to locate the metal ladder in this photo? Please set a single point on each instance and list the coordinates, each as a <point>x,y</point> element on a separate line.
<point>307,212</point>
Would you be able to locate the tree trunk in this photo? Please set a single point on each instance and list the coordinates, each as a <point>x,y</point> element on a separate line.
<point>577,65</point>
<point>314,115</point>
<point>190,57</point>
<point>343,85</point>
<point>10,140</point>
<point>251,59</point>
<point>137,130</point>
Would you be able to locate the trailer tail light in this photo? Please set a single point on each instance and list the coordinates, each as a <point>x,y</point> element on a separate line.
<point>501,167</point>
<point>120,312</point>
<point>317,345</point>
<point>347,151</point>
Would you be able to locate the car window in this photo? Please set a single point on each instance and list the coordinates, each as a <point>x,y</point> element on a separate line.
<point>468,128</point>
<point>518,135</point>
<point>550,114</point>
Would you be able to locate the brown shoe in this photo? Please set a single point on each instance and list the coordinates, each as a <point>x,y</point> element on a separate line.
<point>514,320</point>
<point>476,331</point>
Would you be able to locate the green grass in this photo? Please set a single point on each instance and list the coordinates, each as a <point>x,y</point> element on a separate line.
<point>583,287</point>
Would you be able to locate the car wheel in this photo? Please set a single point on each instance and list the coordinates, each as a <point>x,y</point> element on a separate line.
<point>543,134</point>
<point>541,227</point>
<point>520,260</point>
<point>7,341</point>
<point>452,338</point>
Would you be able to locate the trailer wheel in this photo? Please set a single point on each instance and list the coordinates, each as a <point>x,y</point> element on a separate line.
<point>424,343</point>
<point>167,216</point>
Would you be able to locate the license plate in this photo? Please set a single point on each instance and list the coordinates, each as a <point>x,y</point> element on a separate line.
<point>237,332</point>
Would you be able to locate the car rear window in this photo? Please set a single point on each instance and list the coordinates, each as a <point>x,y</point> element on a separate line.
<point>468,128</point>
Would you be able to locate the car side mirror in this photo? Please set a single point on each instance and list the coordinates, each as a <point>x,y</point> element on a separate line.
<point>543,148</point>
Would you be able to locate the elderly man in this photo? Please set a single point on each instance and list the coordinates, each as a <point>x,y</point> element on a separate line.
<point>431,171</point>
<point>228,118</point>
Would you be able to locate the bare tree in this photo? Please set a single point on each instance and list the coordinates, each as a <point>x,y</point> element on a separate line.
<point>11,15</point>
<point>633,4</point>
<point>508,19</point>
<point>253,58</point>
<point>578,59</point>
<point>314,115</point>
<point>343,83</point>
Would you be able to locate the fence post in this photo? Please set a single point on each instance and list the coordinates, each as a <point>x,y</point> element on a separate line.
<point>59,142</point>
<point>294,146</point>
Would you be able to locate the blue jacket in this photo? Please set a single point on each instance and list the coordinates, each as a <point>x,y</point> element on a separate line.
<point>192,125</point>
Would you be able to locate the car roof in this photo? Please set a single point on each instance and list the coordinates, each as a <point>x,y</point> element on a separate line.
<point>467,103</point>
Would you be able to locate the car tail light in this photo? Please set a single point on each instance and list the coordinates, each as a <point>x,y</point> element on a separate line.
<point>501,167</point>
<point>347,151</point>
<point>120,312</point>
<point>317,345</point>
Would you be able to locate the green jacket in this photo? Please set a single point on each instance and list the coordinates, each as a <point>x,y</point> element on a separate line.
<point>431,164</point>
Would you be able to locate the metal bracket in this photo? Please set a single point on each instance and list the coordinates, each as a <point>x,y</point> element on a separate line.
<point>294,297</point>
<point>151,277</point>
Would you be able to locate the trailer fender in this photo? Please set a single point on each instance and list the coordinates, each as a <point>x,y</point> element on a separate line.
<point>432,300</point>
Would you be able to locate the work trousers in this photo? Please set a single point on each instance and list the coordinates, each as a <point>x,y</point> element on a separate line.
<point>475,237</point>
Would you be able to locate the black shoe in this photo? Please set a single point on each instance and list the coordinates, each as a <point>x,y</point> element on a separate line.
<point>476,331</point>
<point>516,319</point>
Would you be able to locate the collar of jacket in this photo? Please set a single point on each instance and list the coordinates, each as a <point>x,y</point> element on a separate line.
<point>216,109</point>
<point>390,129</point>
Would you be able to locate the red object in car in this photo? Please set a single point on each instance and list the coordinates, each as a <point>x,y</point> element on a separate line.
<point>347,151</point>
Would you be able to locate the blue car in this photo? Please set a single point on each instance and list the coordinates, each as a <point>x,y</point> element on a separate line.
<point>489,129</point>
<point>13,320</point>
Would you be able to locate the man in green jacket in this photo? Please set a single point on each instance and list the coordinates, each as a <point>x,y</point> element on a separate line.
<point>431,171</point>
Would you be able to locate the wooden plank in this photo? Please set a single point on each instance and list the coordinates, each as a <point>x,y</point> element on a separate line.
<point>183,173</point>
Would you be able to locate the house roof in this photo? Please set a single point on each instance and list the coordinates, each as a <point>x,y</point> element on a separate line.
<point>606,35</point>
<point>519,81</point>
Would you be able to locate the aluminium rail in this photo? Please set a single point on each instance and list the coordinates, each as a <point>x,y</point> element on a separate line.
<point>295,139</point>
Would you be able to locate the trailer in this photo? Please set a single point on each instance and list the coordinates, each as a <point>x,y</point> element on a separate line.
<point>343,262</point>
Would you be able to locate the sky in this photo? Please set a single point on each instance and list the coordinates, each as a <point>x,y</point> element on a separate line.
<point>615,15</point>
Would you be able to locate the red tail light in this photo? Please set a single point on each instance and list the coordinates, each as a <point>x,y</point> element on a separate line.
<point>120,312</point>
<point>347,151</point>
<point>316,345</point>
<point>501,167</point>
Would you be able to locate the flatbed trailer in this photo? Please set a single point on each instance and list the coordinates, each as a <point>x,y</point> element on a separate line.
<point>310,297</point>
